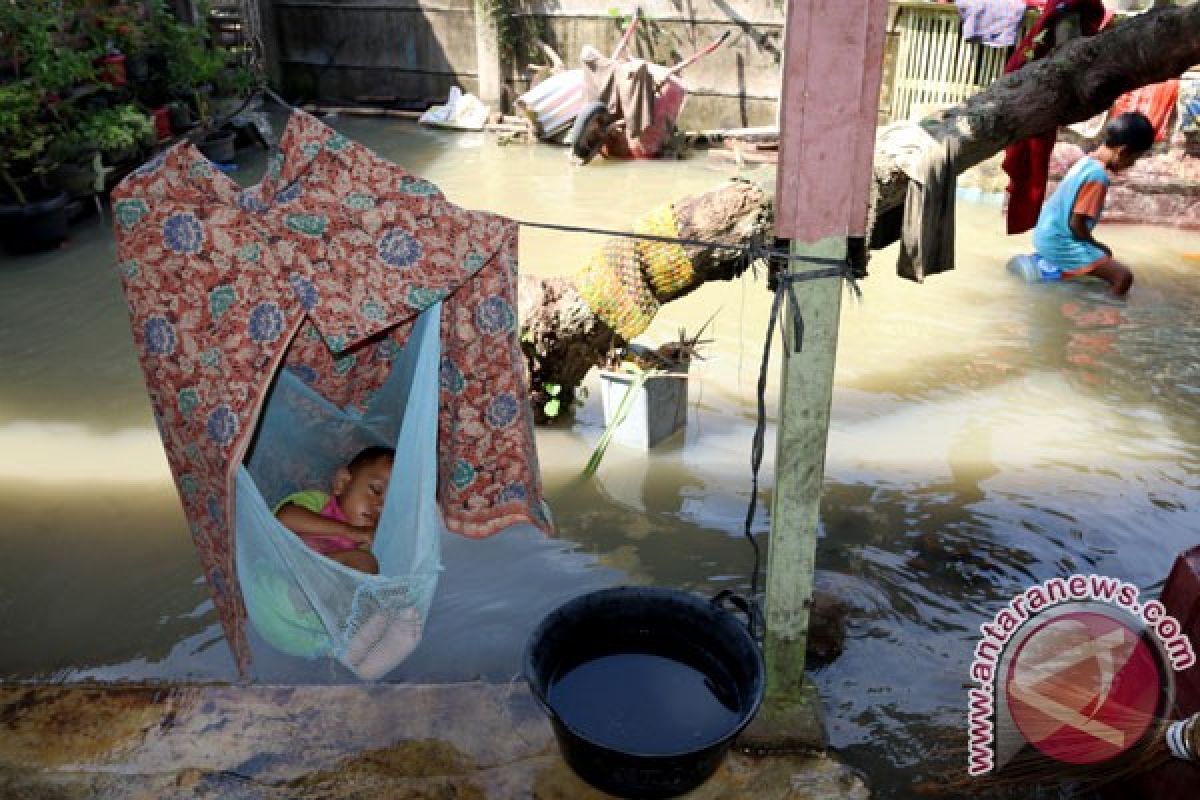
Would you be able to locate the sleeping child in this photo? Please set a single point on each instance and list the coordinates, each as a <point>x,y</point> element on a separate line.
<point>341,525</point>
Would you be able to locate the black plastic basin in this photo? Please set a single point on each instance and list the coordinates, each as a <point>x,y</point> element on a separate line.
<point>645,688</point>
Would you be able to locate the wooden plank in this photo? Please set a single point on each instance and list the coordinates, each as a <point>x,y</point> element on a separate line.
<point>863,160</point>
<point>900,97</point>
<point>821,119</point>
<point>806,393</point>
<point>834,54</point>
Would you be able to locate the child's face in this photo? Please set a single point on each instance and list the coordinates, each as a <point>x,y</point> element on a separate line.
<point>1124,158</point>
<point>361,493</point>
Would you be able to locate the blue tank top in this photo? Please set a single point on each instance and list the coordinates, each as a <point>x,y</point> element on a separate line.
<point>1052,238</point>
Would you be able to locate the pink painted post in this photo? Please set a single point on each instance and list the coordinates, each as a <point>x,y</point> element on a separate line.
<point>832,68</point>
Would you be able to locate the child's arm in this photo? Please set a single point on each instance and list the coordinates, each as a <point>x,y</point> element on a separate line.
<point>300,520</point>
<point>1079,227</point>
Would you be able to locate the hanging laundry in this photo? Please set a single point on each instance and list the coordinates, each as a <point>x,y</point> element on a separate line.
<point>625,86</point>
<point>1027,161</point>
<point>1156,101</point>
<point>994,23</point>
<point>323,267</point>
<point>927,234</point>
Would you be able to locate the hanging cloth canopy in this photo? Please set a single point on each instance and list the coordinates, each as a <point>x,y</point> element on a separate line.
<point>323,267</point>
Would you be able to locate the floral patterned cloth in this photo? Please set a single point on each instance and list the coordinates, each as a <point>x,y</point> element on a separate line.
<point>322,267</point>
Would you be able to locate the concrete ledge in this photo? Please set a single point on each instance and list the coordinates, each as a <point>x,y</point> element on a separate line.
<point>470,740</point>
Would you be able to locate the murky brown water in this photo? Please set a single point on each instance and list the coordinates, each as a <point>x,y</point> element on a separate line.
<point>986,435</point>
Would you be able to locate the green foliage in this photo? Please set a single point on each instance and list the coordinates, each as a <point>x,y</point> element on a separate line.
<point>121,25</point>
<point>517,34</point>
<point>47,116</point>
<point>235,81</point>
<point>196,67</point>
<point>116,129</point>
<point>25,136</point>
<point>109,131</point>
<point>34,38</point>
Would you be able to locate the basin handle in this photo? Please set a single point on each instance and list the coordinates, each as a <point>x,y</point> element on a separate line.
<point>754,621</point>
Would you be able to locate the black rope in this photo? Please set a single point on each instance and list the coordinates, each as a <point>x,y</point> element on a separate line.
<point>784,286</point>
<point>783,282</point>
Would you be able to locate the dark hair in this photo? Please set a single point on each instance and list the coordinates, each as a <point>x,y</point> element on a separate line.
<point>369,455</point>
<point>1131,129</point>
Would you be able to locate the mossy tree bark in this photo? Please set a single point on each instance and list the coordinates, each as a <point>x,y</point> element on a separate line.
<point>563,338</point>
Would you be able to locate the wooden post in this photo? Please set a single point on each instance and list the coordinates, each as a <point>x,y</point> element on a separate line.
<point>487,57</point>
<point>832,72</point>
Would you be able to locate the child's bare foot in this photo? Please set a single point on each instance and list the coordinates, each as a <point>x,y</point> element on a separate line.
<point>383,642</point>
<point>359,647</point>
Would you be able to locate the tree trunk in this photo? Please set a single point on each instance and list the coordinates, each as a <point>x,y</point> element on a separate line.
<point>563,338</point>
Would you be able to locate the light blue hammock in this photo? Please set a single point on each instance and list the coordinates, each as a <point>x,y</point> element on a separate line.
<point>301,602</point>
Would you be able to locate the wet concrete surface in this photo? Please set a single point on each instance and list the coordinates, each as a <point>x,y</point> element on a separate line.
<point>461,741</point>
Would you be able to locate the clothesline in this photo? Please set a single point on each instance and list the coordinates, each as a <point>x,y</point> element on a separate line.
<point>754,251</point>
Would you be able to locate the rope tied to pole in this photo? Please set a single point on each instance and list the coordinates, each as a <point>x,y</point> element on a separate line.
<point>785,288</point>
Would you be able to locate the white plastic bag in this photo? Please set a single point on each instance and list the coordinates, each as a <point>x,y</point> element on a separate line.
<point>462,111</point>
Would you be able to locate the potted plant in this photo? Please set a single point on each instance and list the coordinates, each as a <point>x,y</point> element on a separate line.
<point>79,163</point>
<point>32,215</point>
<point>118,134</point>
<point>213,139</point>
<point>35,39</point>
<point>123,28</point>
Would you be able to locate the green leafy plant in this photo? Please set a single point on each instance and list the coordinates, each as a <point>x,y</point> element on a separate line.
<point>71,146</point>
<point>26,134</point>
<point>235,80</point>
<point>34,39</point>
<point>113,130</point>
<point>517,34</point>
<point>196,68</point>
<point>121,26</point>
<point>191,62</point>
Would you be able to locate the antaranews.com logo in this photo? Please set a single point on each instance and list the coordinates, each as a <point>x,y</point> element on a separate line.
<point>1076,667</point>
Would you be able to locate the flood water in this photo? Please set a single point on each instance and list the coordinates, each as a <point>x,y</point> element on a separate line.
<point>986,435</point>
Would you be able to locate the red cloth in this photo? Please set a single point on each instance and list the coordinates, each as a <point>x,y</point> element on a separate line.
<point>322,266</point>
<point>1156,101</point>
<point>1027,162</point>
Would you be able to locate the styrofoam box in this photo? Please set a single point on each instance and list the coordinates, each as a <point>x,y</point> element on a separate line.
<point>659,408</point>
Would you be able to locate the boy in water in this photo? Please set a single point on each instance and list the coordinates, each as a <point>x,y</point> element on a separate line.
<point>341,525</point>
<point>1063,235</point>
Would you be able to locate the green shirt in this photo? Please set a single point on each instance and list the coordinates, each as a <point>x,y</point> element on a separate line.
<point>312,499</point>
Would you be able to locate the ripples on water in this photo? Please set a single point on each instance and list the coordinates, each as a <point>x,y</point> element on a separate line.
<point>986,435</point>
